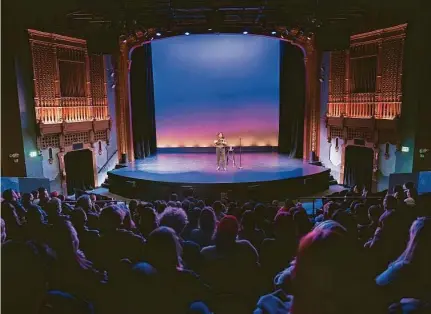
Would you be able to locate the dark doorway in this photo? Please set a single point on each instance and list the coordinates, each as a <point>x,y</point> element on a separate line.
<point>79,170</point>
<point>358,166</point>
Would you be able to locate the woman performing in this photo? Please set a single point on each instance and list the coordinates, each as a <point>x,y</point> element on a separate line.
<point>220,143</point>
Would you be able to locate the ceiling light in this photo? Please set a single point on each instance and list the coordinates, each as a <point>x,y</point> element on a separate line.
<point>273,32</point>
<point>187,33</point>
<point>158,34</point>
<point>245,32</point>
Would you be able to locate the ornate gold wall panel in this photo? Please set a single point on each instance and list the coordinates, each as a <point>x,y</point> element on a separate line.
<point>50,106</point>
<point>372,115</point>
<point>387,46</point>
<point>81,114</point>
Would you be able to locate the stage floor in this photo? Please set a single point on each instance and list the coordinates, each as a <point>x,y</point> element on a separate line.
<point>201,168</point>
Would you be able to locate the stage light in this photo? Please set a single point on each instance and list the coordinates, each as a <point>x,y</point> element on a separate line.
<point>210,29</point>
<point>158,34</point>
<point>274,32</point>
<point>187,33</point>
<point>245,32</point>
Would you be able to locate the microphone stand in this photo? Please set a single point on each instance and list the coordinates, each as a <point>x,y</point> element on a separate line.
<point>240,151</point>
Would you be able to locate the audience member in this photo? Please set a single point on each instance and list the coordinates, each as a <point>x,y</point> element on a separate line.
<point>204,235</point>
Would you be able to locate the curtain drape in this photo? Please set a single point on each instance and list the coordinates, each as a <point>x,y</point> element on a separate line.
<point>292,100</point>
<point>72,79</point>
<point>358,166</point>
<point>142,102</point>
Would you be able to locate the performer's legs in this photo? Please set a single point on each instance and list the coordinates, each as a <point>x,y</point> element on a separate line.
<point>218,151</point>
<point>223,158</point>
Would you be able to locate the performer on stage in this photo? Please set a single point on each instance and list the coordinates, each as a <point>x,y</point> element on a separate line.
<point>220,143</point>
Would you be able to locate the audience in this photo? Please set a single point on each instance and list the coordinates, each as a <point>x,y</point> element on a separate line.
<point>180,256</point>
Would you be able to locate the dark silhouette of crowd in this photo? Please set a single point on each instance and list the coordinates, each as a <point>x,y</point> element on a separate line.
<point>358,254</point>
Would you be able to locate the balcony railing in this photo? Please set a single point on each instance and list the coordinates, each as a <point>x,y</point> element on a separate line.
<point>50,115</point>
<point>378,110</point>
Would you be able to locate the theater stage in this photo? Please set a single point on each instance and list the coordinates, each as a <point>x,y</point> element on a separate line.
<point>263,175</point>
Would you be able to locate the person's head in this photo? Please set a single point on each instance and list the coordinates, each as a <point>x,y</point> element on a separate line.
<point>9,195</point>
<point>66,242</point>
<point>53,207</point>
<point>27,198</point>
<point>160,207</point>
<point>220,135</point>
<point>34,215</point>
<point>173,197</point>
<point>302,223</point>
<point>412,193</point>
<point>78,218</point>
<point>188,192</point>
<point>259,212</point>
<point>248,222</point>
<point>111,218</point>
<point>417,250</point>
<point>357,189</point>
<point>61,197</point>
<point>147,219</point>
<point>62,302</point>
<point>219,207</point>
<point>93,198</point>
<point>347,221</point>
<point>35,194</point>
<point>374,213</point>
<point>227,231</point>
<point>3,231</point>
<point>390,202</point>
<point>54,194</point>
<point>84,201</point>
<point>193,217</point>
<point>175,218</point>
<point>133,204</point>
<point>284,226</point>
<point>288,203</point>
<point>163,249</point>
<point>361,214</point>
<point>43,193</point>
<point>207,220</point>
<point>323,280</point>
<point>200,204</point>
<point>409,185</point>
<point>329,209</point>
<point>171,204</point>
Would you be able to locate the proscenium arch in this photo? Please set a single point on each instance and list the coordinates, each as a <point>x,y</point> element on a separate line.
<point>312,97</point>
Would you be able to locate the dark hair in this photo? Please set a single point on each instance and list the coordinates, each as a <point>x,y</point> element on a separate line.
<point>110,218</point>
<point>390,202</point>
<point>207,220</point>
<point>247,220</point>
<point>163,249</point>
<point>222,135</point>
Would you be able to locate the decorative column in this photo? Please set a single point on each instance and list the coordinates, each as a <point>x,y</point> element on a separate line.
<point>123,112</point>
<point>312,100</point>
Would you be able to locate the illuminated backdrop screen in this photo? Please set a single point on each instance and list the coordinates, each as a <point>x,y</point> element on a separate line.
<point>205,84</point>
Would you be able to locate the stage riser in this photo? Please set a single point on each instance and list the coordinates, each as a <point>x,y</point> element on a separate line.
<point>262,191</point>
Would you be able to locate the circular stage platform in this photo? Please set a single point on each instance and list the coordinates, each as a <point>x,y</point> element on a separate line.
<point>263,175</point>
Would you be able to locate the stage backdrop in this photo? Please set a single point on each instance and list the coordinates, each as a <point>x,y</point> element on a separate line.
<point>204,84</point>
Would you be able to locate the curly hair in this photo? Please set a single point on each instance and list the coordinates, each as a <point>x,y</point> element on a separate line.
<point>175,218</point>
